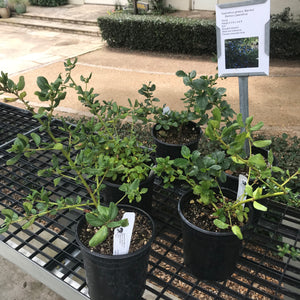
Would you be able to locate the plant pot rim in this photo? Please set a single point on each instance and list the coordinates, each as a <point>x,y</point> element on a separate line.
<point>153,131</point>
<point>211,233</point>
<point>123,256</point>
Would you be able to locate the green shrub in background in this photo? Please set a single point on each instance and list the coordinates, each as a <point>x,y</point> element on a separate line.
<point>49,3</point>
<point>159,33</point>
<point>185,35</point>
<point>285,40</point>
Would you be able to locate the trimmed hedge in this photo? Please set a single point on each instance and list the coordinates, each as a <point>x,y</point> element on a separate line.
<point>158,33</point>
<point>49,3</point>
<point>185,35</point>
<point>285,40</point>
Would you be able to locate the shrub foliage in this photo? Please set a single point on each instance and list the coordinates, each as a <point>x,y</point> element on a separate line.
<point>159,33</point>
<point>49,3</point>
<point>186,35</point>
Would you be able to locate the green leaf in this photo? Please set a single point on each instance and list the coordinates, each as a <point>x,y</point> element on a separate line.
<point>103,211</point>
<point>193,74</point>
<point>237,231</point>
<point>258,161</point>
<point>3,228</point>
<point>249,190</point>
<point>122,223</point>
<point>13,160</point>
<point>42,83</point>
<point>28,207</point>
<point>36,138</point>
<point>270,157</point>
<point>239,119</point>
<point>93,220</point>
<point>257,193</point>
<point>259,206</point>
<point>217,114</point>
<point>181,162</point>
<point>99,236</point>
<point>262,143</point>
<point>185,152</point>
<point>7,213</point>
<point>258,126</point>
<point>220,224</point>
<point>56,181</point>
<point>21,83</point>
<point>277,170</point>
<point>249,120</point>
<point>29,223</point>
<point>58,146</point>
<point>113,210</point>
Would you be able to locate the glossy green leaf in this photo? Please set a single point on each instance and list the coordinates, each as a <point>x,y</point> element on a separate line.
<point>259,206</point>
<point>122,223</point>
<point>93,220</point>
<point>185,152</point>
<point>36,138</point>
<point>21,83</point>
<point>220,224</point>
<point>58,146</point>
<point>99,237</point>
<point>56,181</point>
<point>13,160</point>
<point>262,143</point>
<point>258,126</point>
<point>42,83</point>
<point>3,228</point>
<point>258,161</point>
<point>29,223</point>
<point>113,210</point>
<point>181,162</point>
<point>237,231</point>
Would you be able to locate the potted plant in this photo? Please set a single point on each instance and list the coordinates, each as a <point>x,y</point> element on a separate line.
<point>4,9</point>
<point>19,6</point>
<point>173,129</point>
<point>88,153</point>
<point>213,218</point>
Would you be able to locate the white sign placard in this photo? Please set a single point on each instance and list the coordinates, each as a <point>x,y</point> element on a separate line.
<point>243,31</point>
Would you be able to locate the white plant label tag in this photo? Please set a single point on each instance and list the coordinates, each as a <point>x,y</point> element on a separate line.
<point>241,188</point>
<point>122,235</point>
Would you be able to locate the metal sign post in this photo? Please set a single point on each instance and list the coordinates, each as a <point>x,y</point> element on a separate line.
<point>244,103</point>
<point>243,42</point>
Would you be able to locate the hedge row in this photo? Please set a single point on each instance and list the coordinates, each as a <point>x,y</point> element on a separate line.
<point>158,33</point>
<point>185,35</point>
<point>49,3</point>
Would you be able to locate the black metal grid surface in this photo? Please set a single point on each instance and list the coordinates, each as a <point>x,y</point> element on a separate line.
<point>260,272</point>
<point>14,121</point>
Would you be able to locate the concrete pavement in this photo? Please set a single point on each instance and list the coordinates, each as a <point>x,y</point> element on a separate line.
<point>118,74</point>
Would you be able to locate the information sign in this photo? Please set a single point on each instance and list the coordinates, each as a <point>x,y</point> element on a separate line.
<point>243,30</point>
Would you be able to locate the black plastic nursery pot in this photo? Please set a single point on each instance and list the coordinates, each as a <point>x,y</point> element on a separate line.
<point>174,150</point>
<point>116,277</point>
<point>208,255</point>
<point>111,193</point>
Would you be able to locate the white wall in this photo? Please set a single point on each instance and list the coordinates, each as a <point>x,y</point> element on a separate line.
<point>277,6</point>
<point>180,4</point>
<point>104,2</point>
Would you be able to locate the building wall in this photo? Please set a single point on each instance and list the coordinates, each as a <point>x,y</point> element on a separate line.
<point>277,6</point>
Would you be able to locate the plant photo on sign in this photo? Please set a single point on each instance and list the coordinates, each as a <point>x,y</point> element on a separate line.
<point>241,53</point>
<point>89,153</point>
<point>214,218</point>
